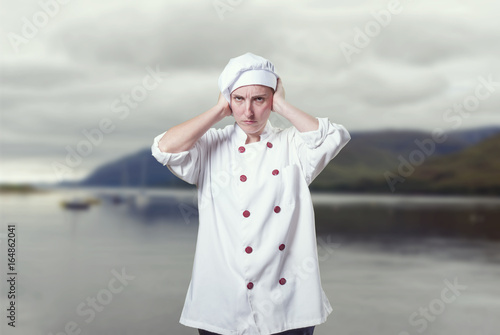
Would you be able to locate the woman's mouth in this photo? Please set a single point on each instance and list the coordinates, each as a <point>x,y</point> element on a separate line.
<point>249,122</point>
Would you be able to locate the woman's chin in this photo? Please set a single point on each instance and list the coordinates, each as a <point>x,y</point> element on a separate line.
<point>250,128</point>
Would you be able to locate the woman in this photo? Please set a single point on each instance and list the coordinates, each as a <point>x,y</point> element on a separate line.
<point>256,268</point>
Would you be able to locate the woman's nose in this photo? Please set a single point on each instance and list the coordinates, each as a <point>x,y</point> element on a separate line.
<point>248,109</point>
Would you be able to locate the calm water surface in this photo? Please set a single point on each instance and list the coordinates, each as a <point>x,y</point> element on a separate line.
<point>67,261</point>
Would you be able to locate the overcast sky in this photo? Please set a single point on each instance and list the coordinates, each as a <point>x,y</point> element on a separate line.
<point>69,66</point>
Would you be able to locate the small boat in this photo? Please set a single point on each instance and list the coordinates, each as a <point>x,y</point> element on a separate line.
<point>117,200</point>
<point>79,204</point>
<point>75,204</point>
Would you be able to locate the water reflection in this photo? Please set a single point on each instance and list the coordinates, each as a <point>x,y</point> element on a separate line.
<point>151,206</point>
<point>374,276</point>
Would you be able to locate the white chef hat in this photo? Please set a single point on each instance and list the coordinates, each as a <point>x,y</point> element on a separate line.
<point>247,69</point>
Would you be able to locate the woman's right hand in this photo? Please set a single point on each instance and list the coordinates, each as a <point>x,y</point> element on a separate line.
<point>224,106</point>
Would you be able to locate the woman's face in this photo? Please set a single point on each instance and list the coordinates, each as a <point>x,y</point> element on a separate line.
<point>251,106</point>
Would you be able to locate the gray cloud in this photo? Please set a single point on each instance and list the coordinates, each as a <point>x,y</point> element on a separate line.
<point>71,74</point>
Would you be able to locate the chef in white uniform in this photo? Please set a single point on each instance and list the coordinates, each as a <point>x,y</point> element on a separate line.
<point>256,265</point>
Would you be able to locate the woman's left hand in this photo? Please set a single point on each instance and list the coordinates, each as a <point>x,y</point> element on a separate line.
<point>279,96</point>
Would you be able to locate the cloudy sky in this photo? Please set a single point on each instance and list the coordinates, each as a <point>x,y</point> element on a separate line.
<point>122,72</point>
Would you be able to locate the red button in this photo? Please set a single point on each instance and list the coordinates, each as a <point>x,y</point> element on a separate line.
<point>243,178</point>
<point>246,214</point>
<point>269,145</point>
<point>282,247</point>
<point>248,250</point>
<point>241,149</point>
<point>275,172</point>
<point>282,281</point>
<point>250,286</point>
<point>277,209</point>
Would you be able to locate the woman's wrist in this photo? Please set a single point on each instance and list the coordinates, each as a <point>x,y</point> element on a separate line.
<point>222,107</point>
<point>221,110</point>
<point>279,106</point>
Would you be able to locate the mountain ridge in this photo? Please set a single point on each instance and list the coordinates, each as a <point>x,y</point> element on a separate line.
<point>361,166</point>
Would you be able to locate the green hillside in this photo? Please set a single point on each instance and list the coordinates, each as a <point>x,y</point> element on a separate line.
<point>358,166</point>
<point>361,167</point>
<point>475,170</point>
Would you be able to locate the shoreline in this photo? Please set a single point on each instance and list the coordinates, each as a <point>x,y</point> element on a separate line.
<point>318,197</point>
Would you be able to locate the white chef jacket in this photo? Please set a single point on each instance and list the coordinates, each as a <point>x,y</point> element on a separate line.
<point>256,265</point>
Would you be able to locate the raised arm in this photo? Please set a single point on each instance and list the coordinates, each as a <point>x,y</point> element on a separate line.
<point>183,136</point>
<point>301,120</point>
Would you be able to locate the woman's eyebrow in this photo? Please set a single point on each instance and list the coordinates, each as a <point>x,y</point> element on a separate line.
<point>263,95</point>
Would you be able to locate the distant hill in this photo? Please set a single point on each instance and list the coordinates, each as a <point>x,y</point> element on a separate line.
<point>475,170</point>
<point>139,169</point>
<point>361,165</point>
<point>452,167</point>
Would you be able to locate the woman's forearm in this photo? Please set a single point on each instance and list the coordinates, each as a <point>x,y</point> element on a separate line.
<point>299,119</point>
<point>183,136</point>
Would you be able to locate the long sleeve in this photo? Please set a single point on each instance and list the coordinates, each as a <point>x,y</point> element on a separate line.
<point>184,165</point>
<point>315,149</point>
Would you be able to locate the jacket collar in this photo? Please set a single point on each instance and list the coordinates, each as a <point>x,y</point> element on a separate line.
<point>241,136</point>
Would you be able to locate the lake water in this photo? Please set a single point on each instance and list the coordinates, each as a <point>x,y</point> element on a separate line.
<point>414,282</point>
